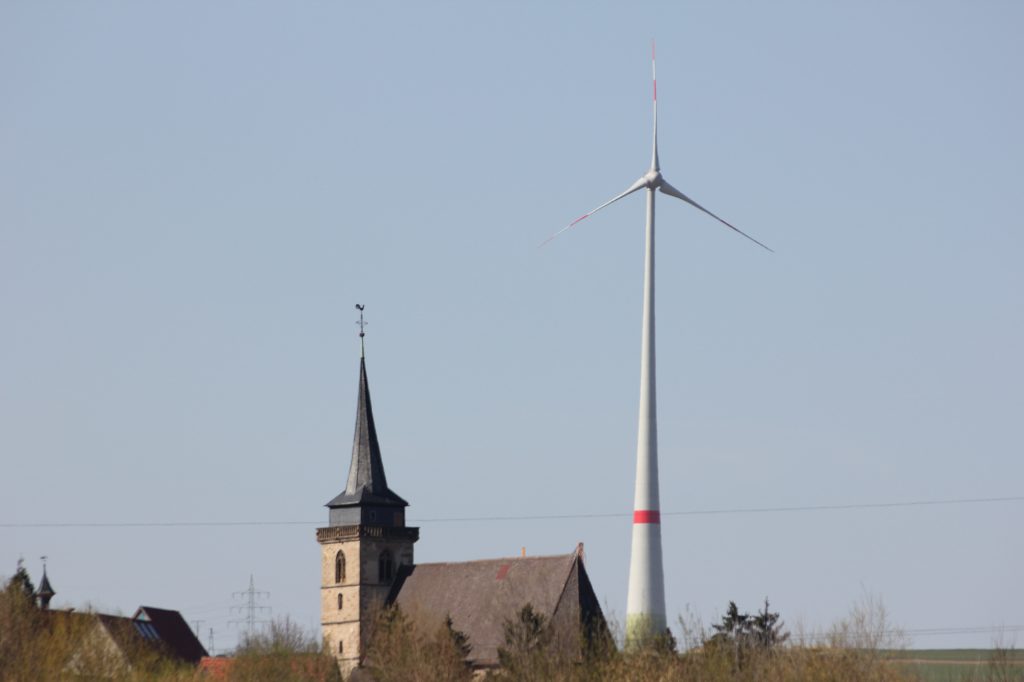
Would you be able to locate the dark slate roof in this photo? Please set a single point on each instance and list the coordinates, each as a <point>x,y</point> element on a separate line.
<point>161,632</point>
<point>122,630</point>
<point>173,632</point>
<point>44,587</point>
<point>164,633</point>
<point>481,595</point>
<point>367,484</point>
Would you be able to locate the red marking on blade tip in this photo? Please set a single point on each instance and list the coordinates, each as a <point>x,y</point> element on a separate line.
<point>647,516</point>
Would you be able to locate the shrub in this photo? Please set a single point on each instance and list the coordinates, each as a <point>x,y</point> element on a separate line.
<point>283,652</point>
<point>398,651</point>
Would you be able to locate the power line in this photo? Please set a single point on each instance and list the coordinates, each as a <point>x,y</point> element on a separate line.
<point>980,629</point>
<point>533,517</point>
<point>739,510</point>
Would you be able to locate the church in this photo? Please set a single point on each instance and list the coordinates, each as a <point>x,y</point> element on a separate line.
<point>367,563</point>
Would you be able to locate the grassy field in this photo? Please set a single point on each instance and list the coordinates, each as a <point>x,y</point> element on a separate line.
<point>962,665</point>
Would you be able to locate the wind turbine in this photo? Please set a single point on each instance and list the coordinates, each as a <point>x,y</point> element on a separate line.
<point>645,605</point>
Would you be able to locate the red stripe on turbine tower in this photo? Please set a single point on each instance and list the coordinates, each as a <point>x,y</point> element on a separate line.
<point>647,516</point>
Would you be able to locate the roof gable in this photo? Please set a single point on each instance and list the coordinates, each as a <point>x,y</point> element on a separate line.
<point>172,631</point>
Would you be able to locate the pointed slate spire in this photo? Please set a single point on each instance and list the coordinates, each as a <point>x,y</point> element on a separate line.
<point>45,592</point>
<point>367,484</point>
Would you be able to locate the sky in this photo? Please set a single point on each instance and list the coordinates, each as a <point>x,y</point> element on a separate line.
<point>194,195</point>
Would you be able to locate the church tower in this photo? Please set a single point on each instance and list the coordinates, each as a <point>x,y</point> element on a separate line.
<point>364,543</point>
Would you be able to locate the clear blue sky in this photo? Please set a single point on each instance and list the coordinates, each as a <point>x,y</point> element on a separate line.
<point>193,196</point>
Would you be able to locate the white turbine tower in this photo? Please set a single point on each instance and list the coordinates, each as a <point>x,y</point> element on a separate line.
<point>645,606</point>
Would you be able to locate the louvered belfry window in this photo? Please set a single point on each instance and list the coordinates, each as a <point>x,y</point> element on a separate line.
<point>386,566</point>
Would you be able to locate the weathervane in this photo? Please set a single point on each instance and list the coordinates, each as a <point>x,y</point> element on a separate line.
<point>362,330</point>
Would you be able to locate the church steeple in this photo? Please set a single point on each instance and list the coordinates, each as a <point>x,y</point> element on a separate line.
<point>366,498</point>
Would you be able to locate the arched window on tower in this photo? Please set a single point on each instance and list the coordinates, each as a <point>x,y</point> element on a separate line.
<point>341,601</point>
<point>386,566</point>
<point>339,567</point>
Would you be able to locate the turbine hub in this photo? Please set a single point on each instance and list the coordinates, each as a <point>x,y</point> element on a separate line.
<point>652,179</point>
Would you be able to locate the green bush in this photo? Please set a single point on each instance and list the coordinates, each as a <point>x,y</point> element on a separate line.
<point>400,652</point>
<point>283,653</point>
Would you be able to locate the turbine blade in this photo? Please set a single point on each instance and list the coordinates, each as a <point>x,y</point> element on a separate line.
<point>639,184</point>
<point>654,81</point>
<point>673,192</point>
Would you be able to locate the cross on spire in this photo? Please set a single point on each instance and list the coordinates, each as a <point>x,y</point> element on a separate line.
<point>362,330</point>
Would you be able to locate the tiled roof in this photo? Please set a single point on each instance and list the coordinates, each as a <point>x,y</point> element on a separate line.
<point>173,631</point>
<point>481,595</point>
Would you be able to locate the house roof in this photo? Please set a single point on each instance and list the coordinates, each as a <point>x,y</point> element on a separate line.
<point>133,638</point>
<point>367,484</point>
<point>157,630</point>
<point>173,631</point>
<point>481,595</point>
<point>150,631</point>
<point>215,668</point>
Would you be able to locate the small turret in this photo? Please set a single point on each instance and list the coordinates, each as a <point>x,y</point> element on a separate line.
<point>45,592</point>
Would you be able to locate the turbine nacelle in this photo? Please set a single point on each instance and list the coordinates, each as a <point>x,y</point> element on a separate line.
<point>652,179</point>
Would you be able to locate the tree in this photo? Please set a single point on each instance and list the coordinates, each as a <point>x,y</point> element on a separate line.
<point>526,653</point>
<point>745,634</point>
<point>665,643</point>
<point>766,628</point>
<point>762,630</point>
<point>392,652</point>
<point>459,639</point>
<point>285,652</point>
<point>399,651</point>
<point>734,625</point>
<point>446,653</point>
<point>21,581</point>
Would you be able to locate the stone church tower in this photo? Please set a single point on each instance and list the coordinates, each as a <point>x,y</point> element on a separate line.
<point>364,544</point>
